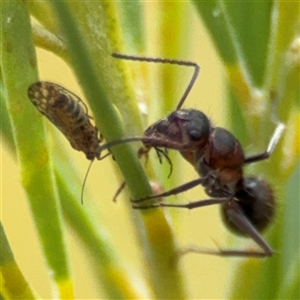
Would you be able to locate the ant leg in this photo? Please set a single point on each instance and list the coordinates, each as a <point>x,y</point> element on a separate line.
<point>238,218</point>
<point>177,190</point>
<point>220,252</point>
<point>118,191</point>
<point>191,205</point>
<point>272,144</point>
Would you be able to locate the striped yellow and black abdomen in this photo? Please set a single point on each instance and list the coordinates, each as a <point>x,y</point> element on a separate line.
<point>66,111</point>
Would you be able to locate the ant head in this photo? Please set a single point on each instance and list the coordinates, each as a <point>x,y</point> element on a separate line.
<point>256,201</point>
<point>183,130</point>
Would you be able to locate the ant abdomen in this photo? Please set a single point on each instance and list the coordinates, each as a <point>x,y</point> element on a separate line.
<point>256,202</point>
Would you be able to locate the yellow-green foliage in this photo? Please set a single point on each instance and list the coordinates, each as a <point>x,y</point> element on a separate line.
<point>258,44</point>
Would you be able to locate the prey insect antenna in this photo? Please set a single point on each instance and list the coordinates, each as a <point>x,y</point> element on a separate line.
<point>87,173</point>
<point>167,61</point>
<point>85,179</point>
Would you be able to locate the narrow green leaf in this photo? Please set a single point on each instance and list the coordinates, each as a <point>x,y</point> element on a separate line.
<point>290,287</point>
<point>6,129</point>
<point>250,23</point>
<point>133,29</point>
<point>217,21</point>
<point>43,12</point>
<point>282,75</point>
<point>13,283</point>
<point>165,280</point>
<point>260,50</point>
<point>19,71</point>
<point>214,17</point>
<point>111,273</point>
<point>93,83</point>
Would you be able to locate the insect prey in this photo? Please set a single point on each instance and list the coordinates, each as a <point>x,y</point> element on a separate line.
<point>69,114</point>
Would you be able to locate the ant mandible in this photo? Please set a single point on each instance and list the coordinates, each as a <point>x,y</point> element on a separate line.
<point>247,202</point>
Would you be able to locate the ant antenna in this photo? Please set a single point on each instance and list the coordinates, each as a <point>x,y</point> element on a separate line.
<point>85,178</point>
<point>167,61</point>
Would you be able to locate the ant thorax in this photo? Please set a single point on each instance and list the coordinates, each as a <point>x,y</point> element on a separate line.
<point>221,162</point>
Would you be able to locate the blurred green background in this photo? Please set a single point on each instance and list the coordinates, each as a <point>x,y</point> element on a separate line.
<point>172,30</point>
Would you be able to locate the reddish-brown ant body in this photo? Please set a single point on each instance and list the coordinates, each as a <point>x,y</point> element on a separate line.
<point>247,202</point>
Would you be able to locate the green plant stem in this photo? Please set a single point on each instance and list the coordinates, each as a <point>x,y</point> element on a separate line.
<point>166,281</point>
<point>13,283</point>
<point>111,273</point>
<point>19,71</point>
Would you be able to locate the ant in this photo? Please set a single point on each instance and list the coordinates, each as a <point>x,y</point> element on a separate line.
<point>247,202</point>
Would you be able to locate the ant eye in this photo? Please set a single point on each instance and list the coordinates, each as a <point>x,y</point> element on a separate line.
<point>195,135</point>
